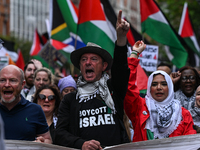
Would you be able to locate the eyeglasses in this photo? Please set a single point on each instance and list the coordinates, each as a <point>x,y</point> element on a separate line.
<point>43,97</point>
<point>191,78</point>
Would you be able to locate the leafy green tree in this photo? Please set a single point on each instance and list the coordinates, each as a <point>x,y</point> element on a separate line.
<point>173,11</point>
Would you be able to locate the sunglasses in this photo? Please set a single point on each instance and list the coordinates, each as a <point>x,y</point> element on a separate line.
<point>43,97</point>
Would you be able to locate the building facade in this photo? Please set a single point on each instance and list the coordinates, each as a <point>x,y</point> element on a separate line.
<point>26,16</point>
<point>4,17</point>
<point>20,18</point>
<point>130,9</point>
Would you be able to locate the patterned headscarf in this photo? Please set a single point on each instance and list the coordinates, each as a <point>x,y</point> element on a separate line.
<point>165,116</point>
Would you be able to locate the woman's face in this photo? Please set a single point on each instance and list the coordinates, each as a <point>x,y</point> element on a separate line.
<point>41,79</point>
<point>188,82</point>
<point>47,101</point>
<point>159,88</point>
<point>67,90</point>
<point>197,104</point>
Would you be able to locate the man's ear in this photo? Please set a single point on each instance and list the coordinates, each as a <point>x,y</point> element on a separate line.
<point>23,83</point>
<point>105,65</point>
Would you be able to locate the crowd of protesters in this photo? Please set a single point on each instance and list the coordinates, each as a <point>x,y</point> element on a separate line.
<point>94,109</point>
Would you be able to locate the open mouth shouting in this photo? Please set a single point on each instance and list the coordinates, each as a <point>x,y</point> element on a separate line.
<point>89,73</point>
<point>7,94</point>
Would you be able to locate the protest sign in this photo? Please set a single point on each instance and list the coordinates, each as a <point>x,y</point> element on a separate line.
<point>52,56</point>
<point>149,58</point>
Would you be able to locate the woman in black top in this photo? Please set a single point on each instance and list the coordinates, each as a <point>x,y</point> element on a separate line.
<point>48,97</point>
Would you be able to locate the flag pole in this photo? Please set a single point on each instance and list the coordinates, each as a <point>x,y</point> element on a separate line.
<point>71,65</point>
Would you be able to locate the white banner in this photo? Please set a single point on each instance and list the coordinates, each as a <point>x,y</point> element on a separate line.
<point>149,58</point>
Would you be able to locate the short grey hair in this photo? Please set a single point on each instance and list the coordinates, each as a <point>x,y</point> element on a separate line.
<point>22,75</point>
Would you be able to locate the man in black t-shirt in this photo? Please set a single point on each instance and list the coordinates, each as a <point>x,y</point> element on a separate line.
<point>93,116</point>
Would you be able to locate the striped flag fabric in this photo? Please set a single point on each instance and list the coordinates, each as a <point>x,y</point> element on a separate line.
<point>111,17</point>
<point>155,24</point>
<point>187,33</point>
<point>64,49</point>
<point>92,25</point>
<point>45,37</point>
<point>63,24</point>
<point>8,50</point>
<point>132,36</point>
<point>69,13</point>
<point>60,35</point>
<point>20,61</point>
<point>12,56</point>
<point>59,29</point>
<point>37,44</point>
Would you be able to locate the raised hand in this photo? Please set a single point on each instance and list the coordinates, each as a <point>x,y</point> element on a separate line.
<point>175,76</point>
<point>139,46</point>
<point>37,63</point>
<point>122,28</point>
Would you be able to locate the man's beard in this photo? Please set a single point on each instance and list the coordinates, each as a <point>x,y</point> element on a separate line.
<point>8,102</point>
<point>28,83</point>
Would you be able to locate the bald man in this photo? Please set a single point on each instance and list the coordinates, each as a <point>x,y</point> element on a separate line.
<point>23,120</point>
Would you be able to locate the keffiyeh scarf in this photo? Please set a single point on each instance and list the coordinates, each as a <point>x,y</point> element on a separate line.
<point>87,91</point>
<point>165,116</point>
<point>195,113</point>
<point>186,102</point>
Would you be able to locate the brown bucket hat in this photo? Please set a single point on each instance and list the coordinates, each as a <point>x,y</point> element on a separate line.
<point>91,48</point>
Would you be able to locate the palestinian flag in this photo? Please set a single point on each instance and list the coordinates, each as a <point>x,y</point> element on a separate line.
<point>20,61</point>
<point>92,25</point>
<point>64,49</point>
<point>45,37</point>
<point>187,33</point>
<point>37,44</point>
<point>155,24</point>
<point>133,36</point>
<point>111,17</point>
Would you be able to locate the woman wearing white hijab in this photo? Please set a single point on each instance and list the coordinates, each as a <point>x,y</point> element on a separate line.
<point>159,115</point>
